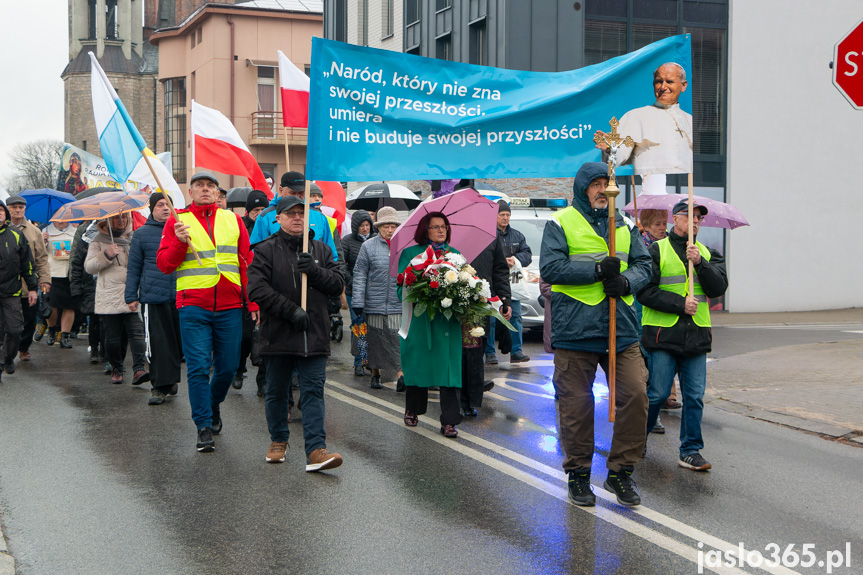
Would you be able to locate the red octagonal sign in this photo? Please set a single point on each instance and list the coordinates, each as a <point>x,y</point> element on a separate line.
<point>848,66</point>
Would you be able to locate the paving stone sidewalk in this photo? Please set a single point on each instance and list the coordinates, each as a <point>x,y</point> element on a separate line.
<point>814,387</point>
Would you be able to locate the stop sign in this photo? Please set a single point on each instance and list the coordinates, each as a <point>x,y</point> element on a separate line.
<point>848,66</point>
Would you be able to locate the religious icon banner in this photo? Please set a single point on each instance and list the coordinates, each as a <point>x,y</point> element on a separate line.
<point>379,115</point>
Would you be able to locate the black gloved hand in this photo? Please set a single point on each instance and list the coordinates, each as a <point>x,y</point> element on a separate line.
<point>616,286</point>
<point>609,267</point>
<point>307,264</point>
<point>300,319</point>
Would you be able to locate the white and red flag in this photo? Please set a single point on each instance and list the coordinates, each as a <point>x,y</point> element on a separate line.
<point>295,94</point>
<point>217,146</point>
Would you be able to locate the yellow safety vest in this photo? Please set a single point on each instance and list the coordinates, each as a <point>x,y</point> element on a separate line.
<point>586,245</point>
<point>216,260</point>
<point>674,278</point>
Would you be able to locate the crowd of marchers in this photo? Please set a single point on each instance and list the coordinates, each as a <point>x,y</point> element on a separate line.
<point>214,289</point>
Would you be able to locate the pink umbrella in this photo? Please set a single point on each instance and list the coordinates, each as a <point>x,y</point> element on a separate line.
<point>473,219</point>
<point>719,214</point>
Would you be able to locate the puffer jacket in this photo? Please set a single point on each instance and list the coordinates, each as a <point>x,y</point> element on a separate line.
<point>80,282</point>
<point>145,282</point>
<point>39,252</point>
<point>375,290</point>
<point>351,245</point>
<point>110,273</point>
<point>575,325</point>
<point>685,337</point>
<point>16,262</point>
<point>275,285</point>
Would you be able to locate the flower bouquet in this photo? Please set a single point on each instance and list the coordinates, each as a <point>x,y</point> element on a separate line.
<point>445,284</point>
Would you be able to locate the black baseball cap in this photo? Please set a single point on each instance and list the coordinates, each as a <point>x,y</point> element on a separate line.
<point>683,206</point>
<point>294,180</point>
<point>204,176</point>
<point>287,203</point>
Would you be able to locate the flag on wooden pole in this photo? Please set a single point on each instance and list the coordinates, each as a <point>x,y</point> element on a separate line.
<point>295,88</point>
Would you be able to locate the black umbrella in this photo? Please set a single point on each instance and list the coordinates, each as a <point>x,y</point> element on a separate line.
<point>237,197</point>
<point>375,196</point>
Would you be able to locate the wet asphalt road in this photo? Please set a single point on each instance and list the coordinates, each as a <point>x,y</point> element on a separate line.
<point>93,480</point>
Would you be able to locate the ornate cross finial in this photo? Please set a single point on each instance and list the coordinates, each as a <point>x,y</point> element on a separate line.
<point>613,140</point>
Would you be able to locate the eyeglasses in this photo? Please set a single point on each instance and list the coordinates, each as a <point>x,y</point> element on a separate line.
<point>438,228</point>
<point>293,214</point>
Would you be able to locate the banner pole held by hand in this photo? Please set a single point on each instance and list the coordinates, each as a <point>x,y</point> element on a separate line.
<point>305,287</point>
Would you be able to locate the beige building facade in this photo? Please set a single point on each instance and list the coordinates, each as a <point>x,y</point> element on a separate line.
<point>225,57</point>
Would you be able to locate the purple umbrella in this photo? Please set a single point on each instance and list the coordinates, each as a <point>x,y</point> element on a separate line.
<point>719,214</point>
<point>473,219</point>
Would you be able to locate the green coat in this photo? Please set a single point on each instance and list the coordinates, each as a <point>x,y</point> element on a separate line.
<point>431,354</point>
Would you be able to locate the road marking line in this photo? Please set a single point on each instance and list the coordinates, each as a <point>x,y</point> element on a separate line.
<point>608,515</point>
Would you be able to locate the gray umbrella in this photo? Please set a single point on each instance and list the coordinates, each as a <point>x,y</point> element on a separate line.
<point>375,196</point>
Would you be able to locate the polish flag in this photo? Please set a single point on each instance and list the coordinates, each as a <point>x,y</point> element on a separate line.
<point>295,87</point>
<point>217,146</point>
<point>334,200</point>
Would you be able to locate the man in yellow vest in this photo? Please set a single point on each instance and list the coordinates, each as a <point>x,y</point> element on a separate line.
<point>574,259</point>
<point>210,297</point>
<point>676,326</point>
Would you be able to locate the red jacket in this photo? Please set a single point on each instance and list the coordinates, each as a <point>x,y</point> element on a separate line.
<point>225,294</point>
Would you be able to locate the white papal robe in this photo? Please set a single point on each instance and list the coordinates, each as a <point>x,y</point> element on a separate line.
<point>663,140</point>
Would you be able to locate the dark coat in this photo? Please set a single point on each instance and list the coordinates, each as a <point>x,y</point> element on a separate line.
<point>80,282</point>
<point>16,261</point>
<point>576,325</point>
<point>352,243</point>
<point>683,338</point>
<point>490,265</point>
<point>275,285</point>
<point>515,245</point>
<point>145,282</point>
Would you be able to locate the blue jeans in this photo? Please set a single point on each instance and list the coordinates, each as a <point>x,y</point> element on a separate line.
<point>357,360</point>
<point>515,320</point>
<point>313,372</point>
<point>693,380</point>
<point>210,338</point>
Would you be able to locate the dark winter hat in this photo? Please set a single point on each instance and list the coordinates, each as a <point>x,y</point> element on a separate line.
<point>12,200</point>
<point>294,180</point>
<point>503,206</point>
<point>155,197</point>
<point>204,176</point>
<point>256,199</point>
<point>287,203</point>
<point>683,206</point>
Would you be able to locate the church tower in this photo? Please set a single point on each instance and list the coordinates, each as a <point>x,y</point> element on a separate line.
<point>114,31</point>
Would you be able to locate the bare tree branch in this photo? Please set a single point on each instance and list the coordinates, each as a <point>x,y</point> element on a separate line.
<point>34,165</point>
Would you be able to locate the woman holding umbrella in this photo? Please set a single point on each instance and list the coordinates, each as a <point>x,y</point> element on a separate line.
<point>431,352</point>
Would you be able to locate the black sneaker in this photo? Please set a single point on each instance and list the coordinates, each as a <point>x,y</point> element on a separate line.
<point>490,359</point>
<point>205,440</point>
<point>358,371</point>
<point>40,331</point>
<point>376,382</point>
<point>94,358</point>
<point>9,366</point>
<point>238,382</point>
<point>694,461</point>
<point>217,420</point>
<point>518,357</point>
<point>621,484</point>
<point>658,428</point>
<point>174,389</point>
<point>52,336</point>
<point>580,491</point>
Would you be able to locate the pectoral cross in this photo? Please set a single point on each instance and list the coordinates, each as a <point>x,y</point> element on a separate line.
<point>614,141</point>
<point>680,131</point>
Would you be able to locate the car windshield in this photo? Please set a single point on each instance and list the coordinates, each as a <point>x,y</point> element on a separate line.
<point>532,230</point>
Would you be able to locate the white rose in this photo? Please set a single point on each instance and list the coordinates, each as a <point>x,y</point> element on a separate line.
<point>477,332</point>
<point>445,302</point>
<point>469,269</point>
<point>486,289</point>
<point>464,276</point>
<point>472,282</point>
<point>455,259</point>
<point>451,276</point>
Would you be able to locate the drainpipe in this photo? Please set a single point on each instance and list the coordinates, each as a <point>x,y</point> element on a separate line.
<point>155,112</point>
<point>231,62</point>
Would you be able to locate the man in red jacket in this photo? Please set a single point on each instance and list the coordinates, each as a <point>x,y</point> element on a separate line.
<point>210,296</point>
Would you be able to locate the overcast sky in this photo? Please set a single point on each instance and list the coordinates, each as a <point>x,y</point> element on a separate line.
<point>35,49</point>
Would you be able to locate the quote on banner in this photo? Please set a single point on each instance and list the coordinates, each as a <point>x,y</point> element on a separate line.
<point>377,115</point>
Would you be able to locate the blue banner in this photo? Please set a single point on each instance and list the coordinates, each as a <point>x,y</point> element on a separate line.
<point>382,115</point>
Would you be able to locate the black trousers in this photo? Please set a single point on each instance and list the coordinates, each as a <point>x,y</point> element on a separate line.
<point>472,376</point>
<point>417,398</point>
<point>117,328</point>
<point>29,324</point>
<point>94,336</point>
<point>11,326</point>
<point>164,346</point>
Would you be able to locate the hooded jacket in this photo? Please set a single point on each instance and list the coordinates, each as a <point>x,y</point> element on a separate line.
<point>110,272</point>
<point>575,325</point>
<point>275,285</point>
<point>375,290</point>
<point>685,337</point>
<point>352,243</point>
<point>145,282</point>
<point>16,262</point>
<point>82,283</point>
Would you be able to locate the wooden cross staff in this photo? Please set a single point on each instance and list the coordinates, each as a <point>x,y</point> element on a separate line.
<point>614,141</point>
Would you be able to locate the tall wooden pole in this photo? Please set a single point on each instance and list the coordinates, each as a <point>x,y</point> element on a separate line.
<point>611,193</point>
<point>305,286</point>
<point>635,201</point>
<point>691,241</point>
<point>167,195</point>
